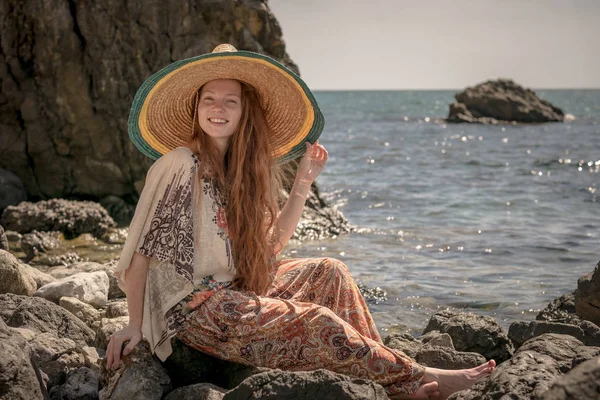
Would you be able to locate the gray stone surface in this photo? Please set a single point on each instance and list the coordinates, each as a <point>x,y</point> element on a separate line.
<point>107,327</point>
<point>14,277</point>
<point>55,356</point>
<point>319,384</point>
<point>3,239</point>
<point>88,287</point>
<point>473,333</point>
<point>41,315</point>
<point>535,366</point>
<point>12,190</point>
<point>81,310</point>
<point>521,331</point>
<point>199,391</point>
<point>139,376</point>
<point>502,100</point>
<point>587,296</point>
<point>582,382</point>
<point>81,384</point>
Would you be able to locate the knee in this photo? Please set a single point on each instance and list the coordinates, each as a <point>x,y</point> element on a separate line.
<point>334,266</point>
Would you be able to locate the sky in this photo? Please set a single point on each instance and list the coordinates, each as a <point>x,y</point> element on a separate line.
<point>441,44</point>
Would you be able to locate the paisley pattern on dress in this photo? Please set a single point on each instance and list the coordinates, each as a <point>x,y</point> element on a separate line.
<point>170,237</point>
<point>312,317</point>
<point>219,206</point>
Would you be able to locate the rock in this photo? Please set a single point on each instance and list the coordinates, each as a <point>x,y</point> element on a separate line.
<point>139,376</point>
<point>502,100</point>
<point>36,242</point>
<point>521,331</point>
<point>52,260</point>
<point>582,382</point>
<point>530,372</point>
<point>55,356</point>
<point>14,278</point>
<point>434,350</point>
<point>561,309</point>
<point>81,310</point>
<point>187,366</point>
<point>12,190</point>
<point>113,290</point>
<point>199,391</point>
<point>587,296</point>
<point>473,333</point>
<point>40,278</point>
<point>19,380</point>
<point>65,113</point>
<point>81,384</point>
<point>107,327</point>
<point>118,209</point>
<point>3,240</point>
<point>41,315</point>
<point>89,287</point>
<point>70,217</point>
<point>117,309</point>
<point>92,357</point>
<point>319,384</point>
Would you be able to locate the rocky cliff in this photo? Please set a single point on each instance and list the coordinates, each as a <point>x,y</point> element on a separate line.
<point>69,70</point>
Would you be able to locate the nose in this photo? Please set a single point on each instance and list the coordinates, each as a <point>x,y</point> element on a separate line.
<point>218,105</point>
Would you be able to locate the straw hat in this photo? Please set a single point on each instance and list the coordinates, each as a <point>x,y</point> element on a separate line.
<point>162,110</point>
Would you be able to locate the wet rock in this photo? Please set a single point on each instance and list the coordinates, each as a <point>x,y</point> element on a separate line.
<point>53,260</point>
<point>372,295</point>
<point>139,376</point>
<point>473,333</point>
<point>36,242</point>
<point>319,384</point>
<point>81,384</point>
<point>117,309</point>
<point>55,357</point>
<point>81,310</point>
<point>587,296</point>
<point>200,391</point>
<point>582,382</point>
<point>521,331</point>
<point>187,366</point>
<point>19,379</point>
<point>41,316</point>
<point>561,309</point>
<point>107,327</point>
<point>12,190</point>
<point>115,236</point>
<point>89,287</point>
<point>3,239</point>
<point>502,100</point>
<point>434,350</point>
<point>534,367</point>
<point>14,277</point>
<point>320,220</point>
<point>70,217</point>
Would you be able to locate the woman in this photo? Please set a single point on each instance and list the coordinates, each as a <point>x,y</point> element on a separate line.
<point>199,263</point>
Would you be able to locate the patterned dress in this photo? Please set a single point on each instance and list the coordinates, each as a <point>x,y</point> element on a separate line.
<point>312,317</point>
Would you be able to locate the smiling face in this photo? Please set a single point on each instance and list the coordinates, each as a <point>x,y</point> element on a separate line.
<point>220,109</point>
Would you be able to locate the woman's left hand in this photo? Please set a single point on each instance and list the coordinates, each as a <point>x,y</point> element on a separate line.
<point>312,162</point>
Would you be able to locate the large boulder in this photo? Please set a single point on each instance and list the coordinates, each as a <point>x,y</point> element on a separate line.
<point>319,384</point>
<point>473,333</point>
<point>69,72</point>
<point>12,190</point>
<point>14,277</point>
<point>81,384</point>
<point>519,332</point>
<point>89,287</point>
<point>531,371</point>
<point>41,316</point>
<point>67,216</point>
<point>583,382</point>
<point>199,391</point>
<point>19,379</point>
<point>587,296</point>
<point>502,100</point>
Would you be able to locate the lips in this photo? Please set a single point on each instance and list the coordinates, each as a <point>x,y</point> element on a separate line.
<point>219,121</point>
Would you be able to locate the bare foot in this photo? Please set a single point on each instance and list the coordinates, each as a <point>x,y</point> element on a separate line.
<point>451,381</point>
<point>424,392</point>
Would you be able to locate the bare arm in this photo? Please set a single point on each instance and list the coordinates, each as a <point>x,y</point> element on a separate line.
<point>310,167</point>
<point>135,285</point>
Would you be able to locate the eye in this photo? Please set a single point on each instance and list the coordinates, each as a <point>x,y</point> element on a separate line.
<point>232,101</point>
<point>207,98</point>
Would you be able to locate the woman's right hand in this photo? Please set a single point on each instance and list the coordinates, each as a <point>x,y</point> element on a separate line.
<point>130,333</point>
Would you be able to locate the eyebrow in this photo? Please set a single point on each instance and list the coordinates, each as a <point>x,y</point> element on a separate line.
<point>226,94</point>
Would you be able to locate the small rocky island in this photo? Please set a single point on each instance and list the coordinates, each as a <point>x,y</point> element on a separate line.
<point>502,101</point>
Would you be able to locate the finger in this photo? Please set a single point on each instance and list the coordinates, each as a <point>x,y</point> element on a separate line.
<point>129,348</point>
<point>117,352</point>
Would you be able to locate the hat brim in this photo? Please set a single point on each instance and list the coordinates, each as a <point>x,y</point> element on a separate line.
<point>162,110</point>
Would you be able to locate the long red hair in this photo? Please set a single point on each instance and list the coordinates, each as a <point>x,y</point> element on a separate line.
<point>250,182</point>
